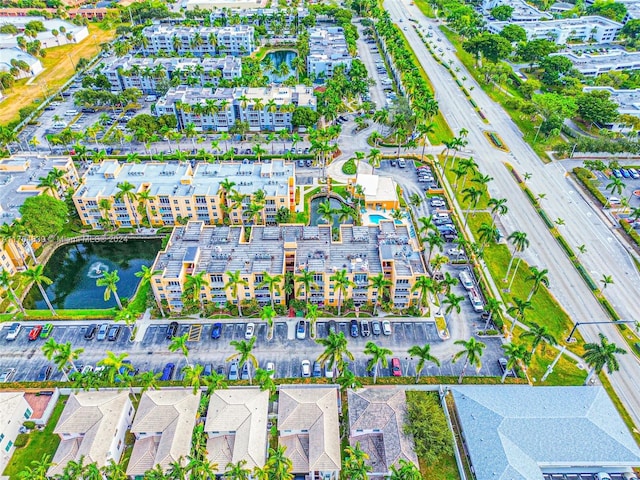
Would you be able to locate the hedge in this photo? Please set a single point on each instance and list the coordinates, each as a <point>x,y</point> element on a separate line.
<point>544,216</point>
<point>586,277</point>
<point>532,197</point>
<point>349,167</point>
<point>586,178</point>
<point>629,230</point>
<point>21,440</point>
<point>609,308</point>
<point>565,246</point>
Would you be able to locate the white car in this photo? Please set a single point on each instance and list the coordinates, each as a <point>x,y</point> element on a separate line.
<point>248,333</point>
<point>271,369</point>
<point>7,375</point>
<point>86,369</point>
<point>386,327</point>
<point>305,368</point>
<point>455,252</point>
<point>14,330</point>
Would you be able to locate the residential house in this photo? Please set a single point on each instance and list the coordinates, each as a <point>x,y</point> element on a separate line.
<point>14,411</point>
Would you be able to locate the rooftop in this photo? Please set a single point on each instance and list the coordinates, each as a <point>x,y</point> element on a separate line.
<point>49,25</point>
<point>628,100</point>
<point>516,432</point>
<point>567,23</point>
<point>8,54</point>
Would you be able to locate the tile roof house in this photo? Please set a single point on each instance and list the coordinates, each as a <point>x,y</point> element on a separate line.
<point>524,433</point>
<point>376,419</point>
<point>237,427</point>
<point>308,427</point>
<point>163,428</point>
<point>93,426</point>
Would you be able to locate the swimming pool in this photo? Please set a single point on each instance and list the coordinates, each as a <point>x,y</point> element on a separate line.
<point>375,219</point>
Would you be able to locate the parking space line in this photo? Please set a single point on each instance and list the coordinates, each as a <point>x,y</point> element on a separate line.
<point>195,332</point>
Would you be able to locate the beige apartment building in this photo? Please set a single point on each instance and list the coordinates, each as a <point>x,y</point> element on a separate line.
<point>363,252</point>
<point>168,193</point>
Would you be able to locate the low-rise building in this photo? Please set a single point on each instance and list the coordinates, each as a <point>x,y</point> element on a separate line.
<point>182,191</point>
<point>14,411</point>
<point>379,192</point>
<point>327,50</point>
<point>7,55</point>
<point>65,32</point>
<point>237,40</point>
<point>522,11</point>
<point>262,108</point>
<point>92,427</point>
<point>376,422</point>
<point>628,104</point>
<point>267,17</point>
<point>614,60</point>
<point>362,252</point>
<point>20,176</point>
<point>540,433</point>
<point>237,427</point>
<point>308,427</point>
<point>223,4</point>
<point>163,428</point>
<point>148,74</point>
<point>585,29</point>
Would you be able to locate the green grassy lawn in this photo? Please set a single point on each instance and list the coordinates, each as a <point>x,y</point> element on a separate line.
<point>41,443</point>
<point>80,314</point>
<point>465,182</point>
<point>565,372</point>
<point>425,8</point>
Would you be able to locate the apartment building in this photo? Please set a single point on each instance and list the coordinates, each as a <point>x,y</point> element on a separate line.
<point>147,74</point>
<point>175,191</point>
<point>263,108</point>
<point>19,179</point>
<point>327,50</point>
<point>267,17</point>
<point>363,252</point>
<point>237,40</point>
<point>522,11</point>
<point>592,65</point>
<point>581,29</point>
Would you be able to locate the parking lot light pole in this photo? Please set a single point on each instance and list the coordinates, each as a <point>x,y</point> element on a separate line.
<point>573,330</point>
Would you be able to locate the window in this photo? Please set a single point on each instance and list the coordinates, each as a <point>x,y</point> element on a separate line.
<point>1,437</point>
<point>27,413</point>
<point>9,445</point>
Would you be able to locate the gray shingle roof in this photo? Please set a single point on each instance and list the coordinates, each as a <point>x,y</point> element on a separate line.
<point>512,432</point>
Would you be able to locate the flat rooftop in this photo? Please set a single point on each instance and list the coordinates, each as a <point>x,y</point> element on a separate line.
<point>628,100</point>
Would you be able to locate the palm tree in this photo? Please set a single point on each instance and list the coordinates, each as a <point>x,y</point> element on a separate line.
<point>355,463</point>
<point>128,191</point>
<point>113,364</point>
<point>498,207</point>
<point>405,471</point>
<point>348,379</point>
<point>539,277</point>
<point>312,315</point>
<point>487,232</point>
<point>265,380</point>
<point>520,243</point>
<point>110,280</point>
<point>326,212</point>
<point>381,286</point>
<point>453,302</point>
<point>306,278</point>
<point>65,356</point>
<point>273,283</point>
<point>194,285</point>
<point>606,280</point>
<point>335,351</point>
<point>192,376</point>
<point>145,275</point>
<point>378,355</point>
<point>180,343</point>
<point>37,469</point>
<point>244,353</point>
<point>539,334</point>
<point>36,274</point>
<point>236,281</point>
<point>472,351</point>
<point>516,354</point>
<point>597,355</point>
<point>472,196</point>
<point>215,381</point>
<point>424,284</point>
<point>341,283</point>
<point>424,355</point>
<point>279,464</point>
<point>615,186</point>
<point>267,314</point>
<point>237,471</point>
<point>5,284</point>
<point>49,348</point>
<point>518,310</point>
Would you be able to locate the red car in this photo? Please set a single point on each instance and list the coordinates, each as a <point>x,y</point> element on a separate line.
<point>35,333</point>
<point>396,369</point>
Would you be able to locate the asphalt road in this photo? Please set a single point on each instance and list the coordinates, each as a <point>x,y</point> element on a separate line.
<point>605,254</point>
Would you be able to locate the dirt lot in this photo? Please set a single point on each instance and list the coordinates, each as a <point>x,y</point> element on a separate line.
<point>57,69</point>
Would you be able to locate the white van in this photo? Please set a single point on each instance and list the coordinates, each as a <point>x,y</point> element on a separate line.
<point>441,216</point>
<point>150,98</point>
<point>465,280</point>
<point>70,113</point>
<point>476,302</point>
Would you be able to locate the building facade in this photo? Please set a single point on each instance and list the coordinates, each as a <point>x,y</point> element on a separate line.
<point>262,108</point>
<point>7,55</point>
<point>14,411</point>
<point>148,74</point>
<point>615,60</point>
<point>237,40</point>
<point>362,252</point>
<point>181,191</point>
<point>522,11</point>
<point>271,18</point>
<point>327,50</point>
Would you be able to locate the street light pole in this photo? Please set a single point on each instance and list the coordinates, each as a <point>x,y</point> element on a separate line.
<point>573,330</point>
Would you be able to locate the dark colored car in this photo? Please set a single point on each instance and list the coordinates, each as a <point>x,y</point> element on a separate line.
<point>91,332</point>
<point>245,371</point>
<point>114,333</point>
<point>45,373</point>
<point>172,329</point>
<point>220,370</point>
<point>167,373</point>
<point>207,370</point>
<point>317,370</point>
<point>354,328</point>
<point>233,371</point>
<point>216,331</point>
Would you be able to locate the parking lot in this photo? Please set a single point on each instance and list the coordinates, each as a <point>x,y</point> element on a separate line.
<point>284,349</point>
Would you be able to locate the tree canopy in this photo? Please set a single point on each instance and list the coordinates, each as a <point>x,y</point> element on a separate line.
<point>502,12</point>
<point>44,215</point>
<point>426,422</point>
<point>597,107</point>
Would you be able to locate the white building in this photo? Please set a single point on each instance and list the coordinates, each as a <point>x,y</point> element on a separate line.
<point>14,410</point>
<point>263,108</point>
<point>238,40</point>
<point>522,11</point>
<point>614,60</point>
<point>628,104</point>
<point>589,28</point>
<point>327,50</point>
<point>70,32</point>
<point>261,16</point>
<point>148,73</point>
<point>8,54</point>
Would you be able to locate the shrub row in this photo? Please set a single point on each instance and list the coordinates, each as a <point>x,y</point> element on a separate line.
<point>629,230</point>
<point>565,246</point>
<point>586,178</point>
<point>585,276</point>
<point>609,308</point>
<point>545,217</point>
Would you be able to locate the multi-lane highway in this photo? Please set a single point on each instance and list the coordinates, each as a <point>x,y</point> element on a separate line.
<point>605,255</point>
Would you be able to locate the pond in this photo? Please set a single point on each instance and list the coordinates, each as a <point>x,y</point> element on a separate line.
<point>278,58</point>
<point>316,218</point>
<point>74,270</point>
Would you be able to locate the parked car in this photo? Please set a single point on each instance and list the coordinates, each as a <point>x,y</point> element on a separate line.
<point>248,332</point>
<point>365,330</point>
<point>7,375</point>
<point>167,372</point>
<point>386,327</point>
<point>220,370</point>
<point>102,333</point>
<point>375,327</point>
<point>625,173</point>
<point>35,333</point>
<point>271,369</point>
<point>45,373</point>
<point>617,173</point>
<point>91,332</point>
<point>172,330</point>
<point>233,370</point>
<point>207,369</point>
<point>317,369</point>
<point>216,331</point>
<point>46,330</point>
<point>328,371</point>
<point>396,368</point>
<point>437,202</point>
<point>502,362</point>
<point>305,368</point>
<point>114,333</point>
<point>301,330</point>
<point>245,371</point>
<point>13,332</point>
<point>354,328</point>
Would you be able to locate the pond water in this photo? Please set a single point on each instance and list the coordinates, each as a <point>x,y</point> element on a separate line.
<point>74,270</point>
<point>278,58</point>
<point>316,219</point>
